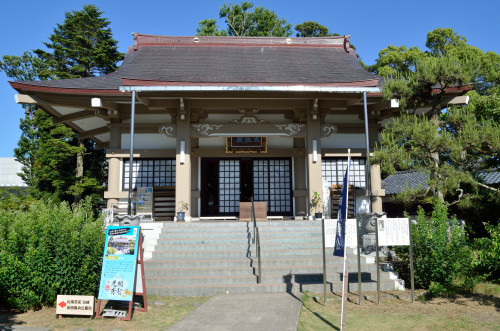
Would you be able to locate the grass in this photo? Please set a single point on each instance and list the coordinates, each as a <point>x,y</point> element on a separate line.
<point>162,313</point>
<point>480,311</point>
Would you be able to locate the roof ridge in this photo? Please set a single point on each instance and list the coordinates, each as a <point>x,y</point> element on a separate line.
<point>157,40</point>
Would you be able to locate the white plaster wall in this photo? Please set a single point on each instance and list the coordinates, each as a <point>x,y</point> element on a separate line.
<point>335,119</point>
<point>344,140</point>
<point>151,118</point>
<point>279,142</point>
<point>213,142</point>
<point>148,140</point>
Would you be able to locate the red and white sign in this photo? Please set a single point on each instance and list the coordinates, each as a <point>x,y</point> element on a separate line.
<point>75,305</point>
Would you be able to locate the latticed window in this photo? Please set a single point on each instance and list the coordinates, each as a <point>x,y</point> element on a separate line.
<point>333,171</point>
<point>149,173</point>
<point>229,186</point>
<point>273,184</point>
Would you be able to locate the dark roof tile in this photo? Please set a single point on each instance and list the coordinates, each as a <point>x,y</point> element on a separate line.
<point>418,179</point>
<point>224,62</point>
<point>397,182</point>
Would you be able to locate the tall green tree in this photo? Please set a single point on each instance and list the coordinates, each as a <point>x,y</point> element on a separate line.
<point>312,29</point>
<point>241,21</point>
<point>24,68</point>
<point>451,144</point>
<point>82,46</point>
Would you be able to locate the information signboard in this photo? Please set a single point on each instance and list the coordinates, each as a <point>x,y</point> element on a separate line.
<point>393,232</point>
<point>350,232</point>
<point>119,263</point>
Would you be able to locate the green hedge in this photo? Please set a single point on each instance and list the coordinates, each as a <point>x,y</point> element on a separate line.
<point>49,249</point>
<point>440,250</point>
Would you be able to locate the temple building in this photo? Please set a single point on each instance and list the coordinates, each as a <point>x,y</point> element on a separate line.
<point>215,121</point>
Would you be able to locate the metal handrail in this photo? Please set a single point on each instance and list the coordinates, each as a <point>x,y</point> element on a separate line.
<point>256,240</point>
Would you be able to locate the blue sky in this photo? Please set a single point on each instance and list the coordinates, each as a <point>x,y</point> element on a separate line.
<point>373,25</point>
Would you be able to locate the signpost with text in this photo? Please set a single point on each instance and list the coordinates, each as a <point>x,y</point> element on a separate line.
<point>122,255</point>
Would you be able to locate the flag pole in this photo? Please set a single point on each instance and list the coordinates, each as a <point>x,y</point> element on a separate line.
<point>345,275</point>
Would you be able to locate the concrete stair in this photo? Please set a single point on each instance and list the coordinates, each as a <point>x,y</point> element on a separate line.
<point>209,257</point>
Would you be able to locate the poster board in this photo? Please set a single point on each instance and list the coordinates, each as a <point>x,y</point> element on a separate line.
<point>119,263</point>
<point>144,201</point>
<point>350,232</point>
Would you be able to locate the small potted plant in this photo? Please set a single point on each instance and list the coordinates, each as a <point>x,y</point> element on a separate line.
<point>316,205</point>
<point>181,213</point>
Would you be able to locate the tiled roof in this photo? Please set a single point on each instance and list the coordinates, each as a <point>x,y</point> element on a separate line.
<point>418,179</point>
<point>397,182</point>
<point>157,60</point>
<point>490,177</point>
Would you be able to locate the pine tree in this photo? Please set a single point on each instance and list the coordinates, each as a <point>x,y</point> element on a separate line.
<point>80,47</point>
<point>451,144</point>
<point>83,46</point>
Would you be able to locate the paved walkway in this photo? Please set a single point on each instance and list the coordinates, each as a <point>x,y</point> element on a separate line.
<point>255,311</point>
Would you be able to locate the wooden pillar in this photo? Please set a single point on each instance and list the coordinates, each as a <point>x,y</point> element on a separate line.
<point>376,186</point>
<point>195,189</point>
<point>114,179</point>
<point>183,159</point>
<point>300,189</point>
<point>313,146</point>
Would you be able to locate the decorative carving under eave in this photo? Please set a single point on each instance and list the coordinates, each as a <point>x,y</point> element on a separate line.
<point>169,130</point>
<point>328,129</point>
<point>291,129</point>
<point>249,118</point>
<point>206,129</point>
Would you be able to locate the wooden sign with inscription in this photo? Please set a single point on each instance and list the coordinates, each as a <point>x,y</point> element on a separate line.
<point>246,145</point>
<point>260,209</point>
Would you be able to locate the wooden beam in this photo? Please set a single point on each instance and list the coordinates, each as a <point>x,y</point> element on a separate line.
<point>24,99</point>
<point>74,117</point>
<point>235,104</point>
<point>95,132</point>
<point>145,101</point>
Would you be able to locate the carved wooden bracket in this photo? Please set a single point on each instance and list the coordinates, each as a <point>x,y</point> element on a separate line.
<point>328,129</point>
<point>170,130</point>
<point>205,129</point>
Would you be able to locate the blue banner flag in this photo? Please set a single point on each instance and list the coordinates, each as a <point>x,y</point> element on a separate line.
<point>339,249</point>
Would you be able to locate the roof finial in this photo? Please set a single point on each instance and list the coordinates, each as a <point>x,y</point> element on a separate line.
<point>346,43</point>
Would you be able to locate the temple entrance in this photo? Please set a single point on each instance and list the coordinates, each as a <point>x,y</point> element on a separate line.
<point>226,182</point>
<point>246,180</point>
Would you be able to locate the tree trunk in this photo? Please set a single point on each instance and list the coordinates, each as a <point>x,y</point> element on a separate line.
<point>79,170</point>
<point>435,155</point>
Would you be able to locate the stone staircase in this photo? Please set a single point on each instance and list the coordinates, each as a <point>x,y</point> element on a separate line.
<point>204,258</point>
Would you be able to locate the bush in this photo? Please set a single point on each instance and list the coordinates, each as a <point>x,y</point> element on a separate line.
<point>15,199</point>
<point>440,251</point>
<point>486,261</point>
<point>46,250</point>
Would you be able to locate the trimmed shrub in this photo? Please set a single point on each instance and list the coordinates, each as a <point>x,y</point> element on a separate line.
<point>440,251</point>
<point>49,249</point>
